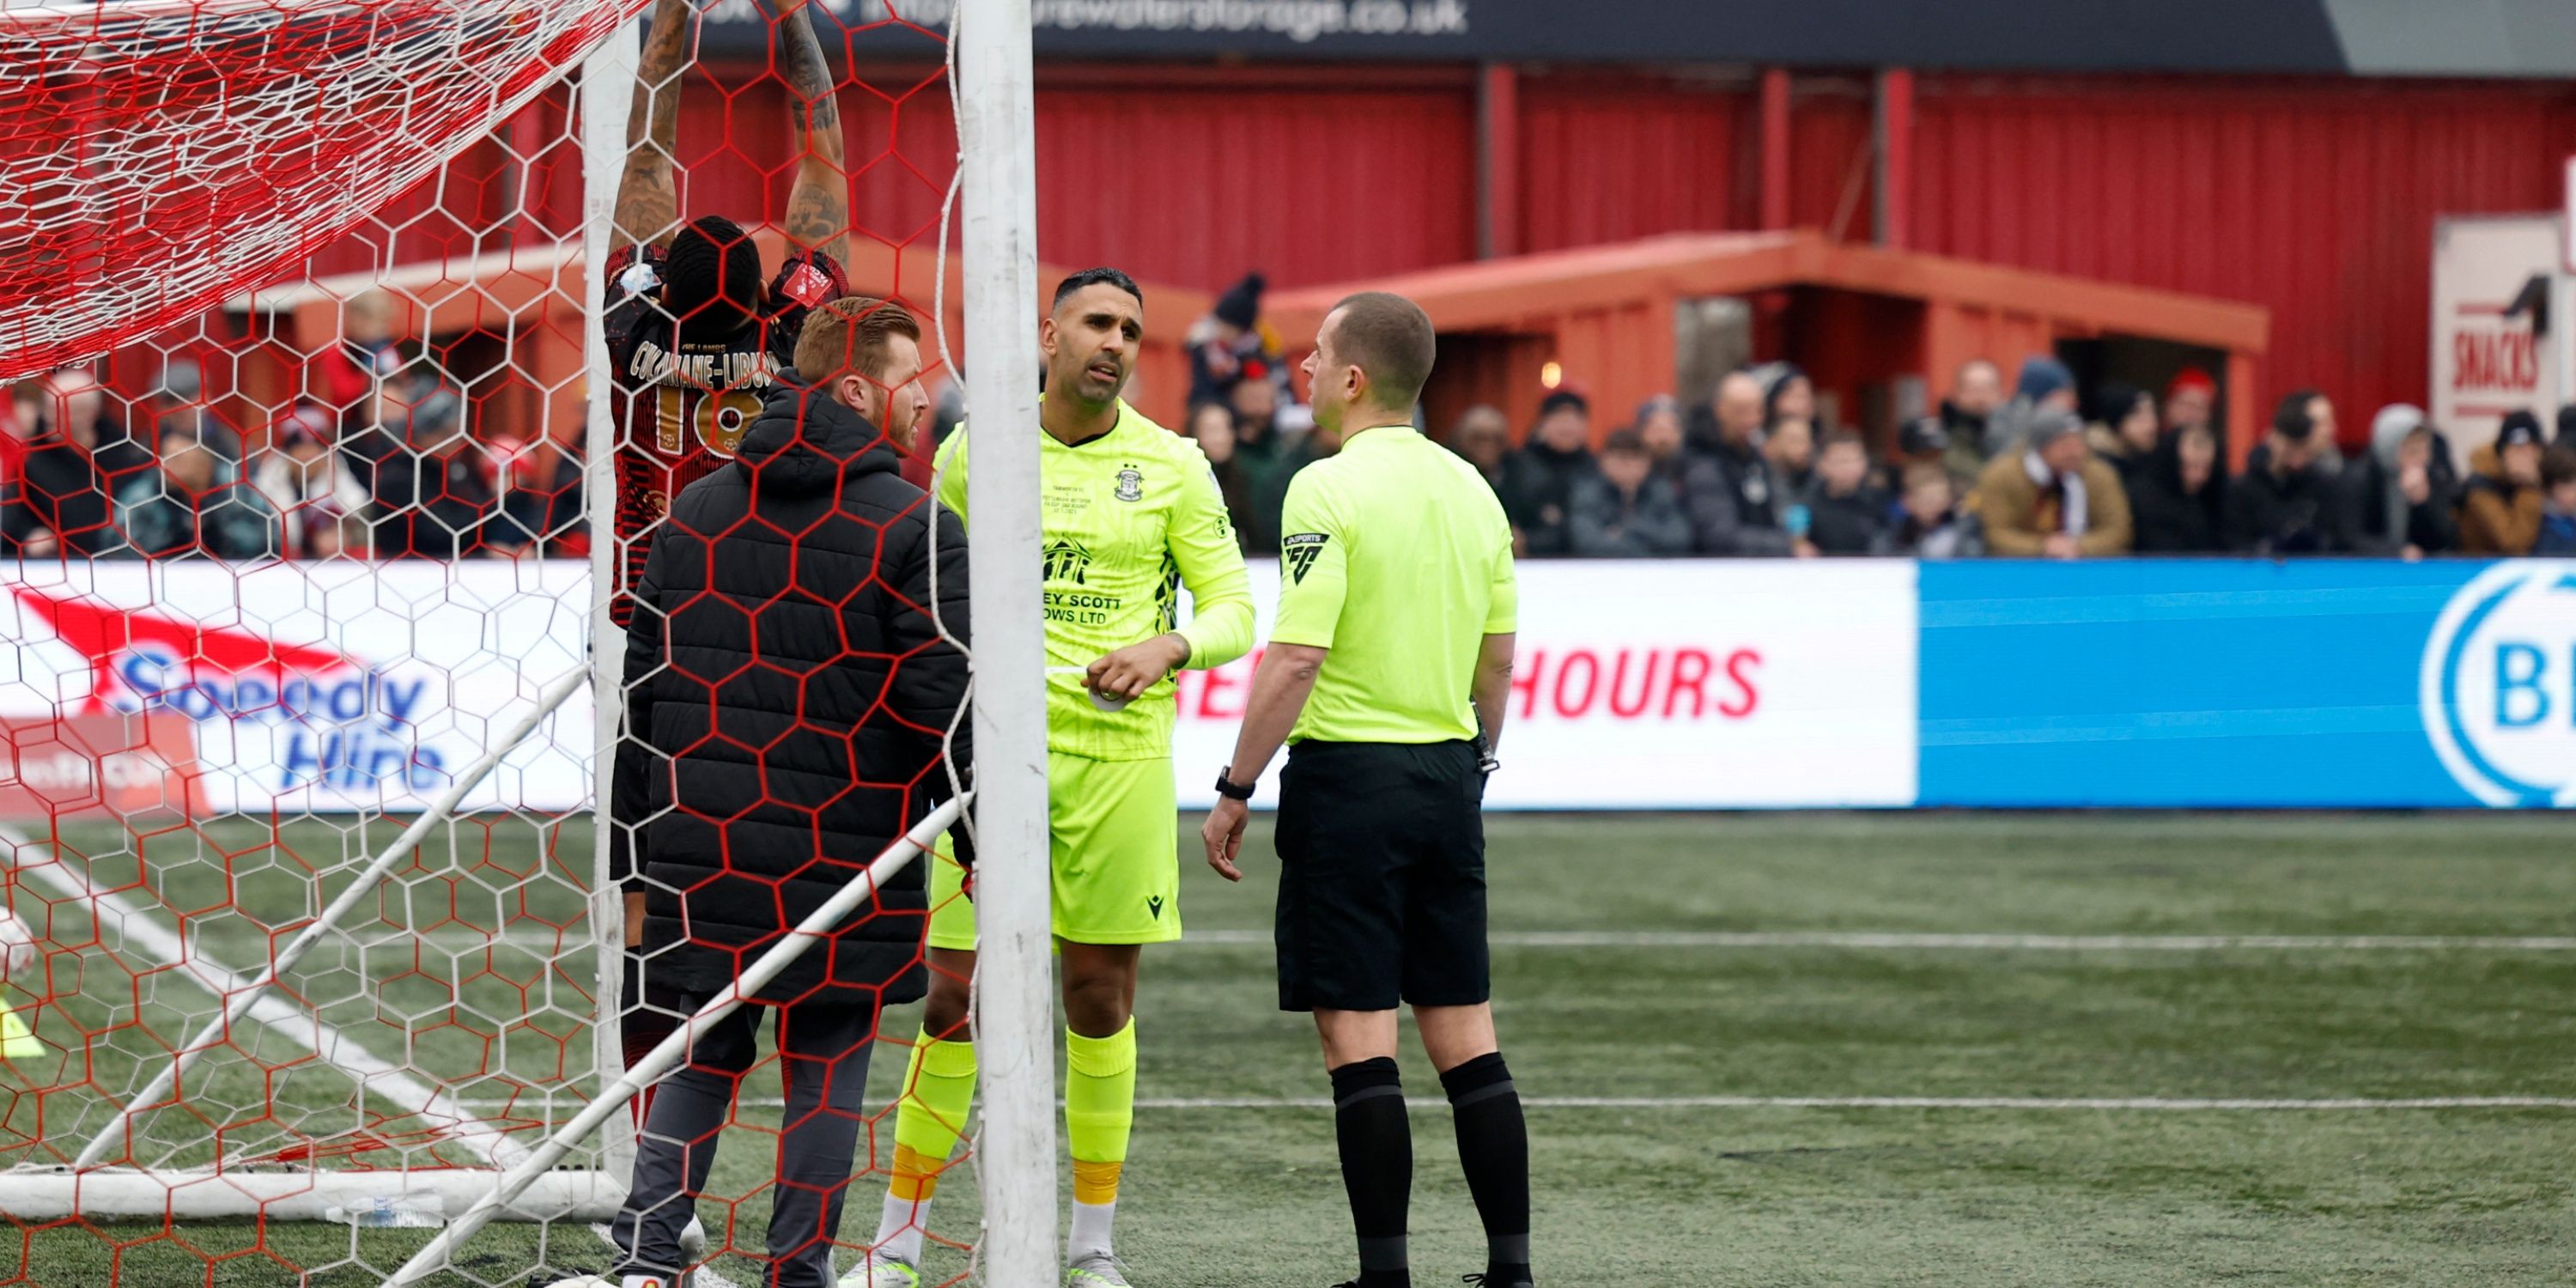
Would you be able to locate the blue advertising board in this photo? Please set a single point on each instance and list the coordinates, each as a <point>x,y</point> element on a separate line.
<point>2228,683</point>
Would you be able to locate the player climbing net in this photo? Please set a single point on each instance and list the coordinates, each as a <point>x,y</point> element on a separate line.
<point>310,920</point>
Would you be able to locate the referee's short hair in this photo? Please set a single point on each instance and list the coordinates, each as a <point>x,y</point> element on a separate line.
<point>1390,338</point>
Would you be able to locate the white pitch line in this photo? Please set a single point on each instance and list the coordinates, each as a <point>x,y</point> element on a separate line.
<point>570,944</point>
<point>135,927</point>
<point>1880,940</point>
<point>2119,1104</point>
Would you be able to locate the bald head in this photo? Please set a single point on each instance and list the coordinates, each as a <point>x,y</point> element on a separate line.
<point>1739,407</point>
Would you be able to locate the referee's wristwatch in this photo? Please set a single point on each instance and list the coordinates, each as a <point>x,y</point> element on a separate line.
<point>1231,790</point>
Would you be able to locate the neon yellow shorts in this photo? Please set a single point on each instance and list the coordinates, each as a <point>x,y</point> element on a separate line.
<point>1113,829</point>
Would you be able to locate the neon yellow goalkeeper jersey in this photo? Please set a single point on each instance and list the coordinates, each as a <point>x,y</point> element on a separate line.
<point>1129,518</point>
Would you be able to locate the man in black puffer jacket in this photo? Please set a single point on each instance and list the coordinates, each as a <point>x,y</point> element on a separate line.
<point>788,688</point>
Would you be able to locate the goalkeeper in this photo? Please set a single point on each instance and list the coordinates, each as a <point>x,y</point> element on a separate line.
<point>696,339</point>
<point>1131,513</point>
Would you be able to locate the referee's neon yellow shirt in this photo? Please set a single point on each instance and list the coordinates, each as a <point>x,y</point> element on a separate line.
<point>1394,555</point>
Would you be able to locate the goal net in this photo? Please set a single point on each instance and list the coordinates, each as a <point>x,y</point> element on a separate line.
<point>318,488</point>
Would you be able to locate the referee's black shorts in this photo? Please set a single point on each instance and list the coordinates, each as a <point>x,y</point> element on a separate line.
<point>1381,877</point>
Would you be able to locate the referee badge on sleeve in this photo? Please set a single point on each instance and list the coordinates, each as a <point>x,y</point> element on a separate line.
<point>1298,551</point>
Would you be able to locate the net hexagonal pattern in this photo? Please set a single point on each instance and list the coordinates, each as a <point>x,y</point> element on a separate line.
<point>309,541</point>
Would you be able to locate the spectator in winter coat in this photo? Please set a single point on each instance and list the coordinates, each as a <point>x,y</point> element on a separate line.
<point>1968,418</point>
<point>2124,431</point>
<point>2284,504</point>
<point>1790,446</point>
<point>317,500</point>
<point>2051,498</point>
<point>61,462</point>
<point>1928,524</point>
<point>2189,398</point>
<point>194,504</point>
<point>791,667</point>
<point>1539,479</point>
<point>1211,426</point>
<point>2046,389</point>
<point>2500,515</point>
<point>1734,502</point>
<point>2402,497</point>
<point>1845,515</point>
<point>541,510</point>
<point>1787,394</point>
<point>179,401</point>
<point>1230,345</point>
<point>2178,502</point>
<point>2558,503</point>
<point>1659,428</point>
<point>431,494</point>
<point>1483,438</point>
<point>1625,510</point>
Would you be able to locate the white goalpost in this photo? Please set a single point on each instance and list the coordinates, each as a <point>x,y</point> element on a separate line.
<point>1015,1006</point>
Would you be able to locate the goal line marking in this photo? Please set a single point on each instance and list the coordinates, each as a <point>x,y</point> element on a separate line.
<point>551,945</point>
<point>1866,939</point>
<point>2048,1104</point>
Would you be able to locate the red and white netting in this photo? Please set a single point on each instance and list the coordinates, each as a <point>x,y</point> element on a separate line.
<point>300,505</point>
<point>161,154</point>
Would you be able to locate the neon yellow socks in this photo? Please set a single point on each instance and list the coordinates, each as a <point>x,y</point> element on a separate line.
<point>1099,1111</point>
<point>939,1088</point>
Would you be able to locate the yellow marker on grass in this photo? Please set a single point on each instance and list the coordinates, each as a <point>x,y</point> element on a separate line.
<point>17,1041</point>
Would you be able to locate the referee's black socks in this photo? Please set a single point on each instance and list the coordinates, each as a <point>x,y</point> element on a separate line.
<point>1377,1165</point>
<point>1493,1148</point>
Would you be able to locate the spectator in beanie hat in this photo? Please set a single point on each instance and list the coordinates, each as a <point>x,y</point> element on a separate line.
<point>2125,428</point>
<point>2051,498</point>
<point>2046,387</point>
<point>1539,479</point>
<point>2501,512</point>
<point>1230,344</point>
<point>2188,399</point>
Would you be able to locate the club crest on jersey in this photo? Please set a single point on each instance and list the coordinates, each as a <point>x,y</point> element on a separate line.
<point>1067,561</point>
<point>808,285</point>
<point>1131,484</point>
<point>1298,551</point>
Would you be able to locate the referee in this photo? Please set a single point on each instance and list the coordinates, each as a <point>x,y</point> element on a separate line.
<point>1392,651</point>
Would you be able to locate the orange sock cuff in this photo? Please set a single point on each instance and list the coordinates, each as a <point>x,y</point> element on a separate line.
<point>1095,1183</point>
<point>916,1175</point>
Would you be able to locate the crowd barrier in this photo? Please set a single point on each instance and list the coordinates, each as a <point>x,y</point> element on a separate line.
<point>1645,685</point>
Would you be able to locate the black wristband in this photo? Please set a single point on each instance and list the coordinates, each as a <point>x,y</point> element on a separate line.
<point>1227,788</point>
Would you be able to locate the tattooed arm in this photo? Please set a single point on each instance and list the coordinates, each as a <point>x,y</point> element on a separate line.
<point>818,208</point>
<point>648,198</point>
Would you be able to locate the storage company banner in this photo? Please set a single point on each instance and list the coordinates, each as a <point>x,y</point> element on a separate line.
<point>1671,685</point>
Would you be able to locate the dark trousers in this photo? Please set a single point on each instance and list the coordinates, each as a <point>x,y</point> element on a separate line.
<point>825,1050</point>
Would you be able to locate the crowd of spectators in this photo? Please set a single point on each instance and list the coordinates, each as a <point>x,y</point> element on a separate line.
<point>2029,470</point>
<point>376,460</point>
<point>392,473</point>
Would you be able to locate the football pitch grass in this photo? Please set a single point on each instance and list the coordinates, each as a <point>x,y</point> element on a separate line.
<point>1810,1049</point>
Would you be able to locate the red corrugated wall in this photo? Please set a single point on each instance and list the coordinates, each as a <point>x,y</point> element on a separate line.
<point>1608,157</point>
<point>2315,199</point>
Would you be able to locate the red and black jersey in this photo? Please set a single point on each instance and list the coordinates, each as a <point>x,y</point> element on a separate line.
<point>682,402</point>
